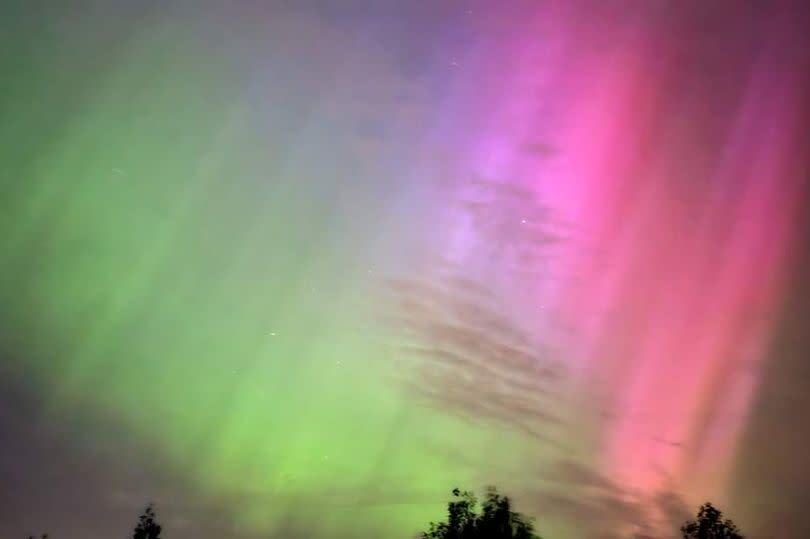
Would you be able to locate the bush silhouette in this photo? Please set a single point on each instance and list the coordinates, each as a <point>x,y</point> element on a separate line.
<point>710,524</point>
<point>495,521</point>
<point>147,527</point>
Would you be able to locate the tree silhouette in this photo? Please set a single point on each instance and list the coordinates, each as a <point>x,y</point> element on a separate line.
<point>495,521</point>
<point>710,524</point>
<point>147,527</point>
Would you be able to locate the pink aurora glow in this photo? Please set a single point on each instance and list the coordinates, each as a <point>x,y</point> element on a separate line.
<point>671,157</point>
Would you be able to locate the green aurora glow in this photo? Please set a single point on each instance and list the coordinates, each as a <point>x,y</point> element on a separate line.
<point>167,269</point>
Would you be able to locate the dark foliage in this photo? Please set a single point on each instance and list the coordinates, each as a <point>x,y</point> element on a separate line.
<point>710,524</point>
<point>147,527</point>
<point>496,520</point>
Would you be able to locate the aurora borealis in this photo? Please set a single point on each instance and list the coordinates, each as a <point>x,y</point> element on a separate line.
<point>297,269</point>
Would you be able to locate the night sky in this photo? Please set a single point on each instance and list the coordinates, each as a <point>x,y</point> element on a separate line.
<point>298,268</point>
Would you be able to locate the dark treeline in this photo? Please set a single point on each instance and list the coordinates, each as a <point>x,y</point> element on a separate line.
<point>497,520</point>
<point>492,518</point>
